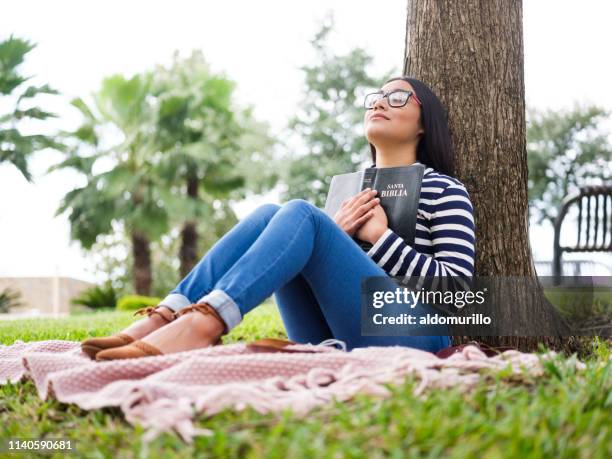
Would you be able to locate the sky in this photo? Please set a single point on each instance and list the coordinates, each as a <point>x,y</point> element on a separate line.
<point>260,45</point>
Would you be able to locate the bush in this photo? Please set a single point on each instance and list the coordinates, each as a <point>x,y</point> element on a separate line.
<point>134,302</point>
<point>9,299</point>
<point>97,297</point>
<point>580,303</point>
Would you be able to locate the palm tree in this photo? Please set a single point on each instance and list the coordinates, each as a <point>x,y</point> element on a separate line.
<point>128,191</point>
<point>15,147</point>
<point>183,154</point>
<point>213,152</point>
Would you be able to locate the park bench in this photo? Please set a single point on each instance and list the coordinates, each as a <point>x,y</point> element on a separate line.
<point>594,222</point>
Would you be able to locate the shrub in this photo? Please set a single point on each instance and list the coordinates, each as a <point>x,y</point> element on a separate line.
<point>97,297</point>
<point>580,303</point>
<point>134,302</point>
<point>9,299</point>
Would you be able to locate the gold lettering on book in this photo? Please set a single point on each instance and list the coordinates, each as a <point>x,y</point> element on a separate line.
<point>394,189</point>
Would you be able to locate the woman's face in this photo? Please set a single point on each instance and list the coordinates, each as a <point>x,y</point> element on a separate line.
<point>393,125</point>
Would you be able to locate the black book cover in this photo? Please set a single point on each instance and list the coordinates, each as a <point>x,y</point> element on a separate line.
<point>399,190</point>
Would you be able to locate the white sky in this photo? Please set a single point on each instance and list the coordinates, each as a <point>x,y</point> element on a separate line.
<point>259,45</point>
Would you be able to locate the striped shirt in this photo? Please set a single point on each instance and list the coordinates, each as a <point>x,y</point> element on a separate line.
<point>445,234</point>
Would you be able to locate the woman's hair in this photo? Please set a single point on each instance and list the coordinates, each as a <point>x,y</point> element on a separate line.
<point>434,149</point>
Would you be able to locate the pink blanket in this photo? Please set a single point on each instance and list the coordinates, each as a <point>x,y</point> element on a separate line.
<point>163,393</point>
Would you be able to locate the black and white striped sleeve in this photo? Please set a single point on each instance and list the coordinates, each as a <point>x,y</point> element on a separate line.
<point>453,242</point>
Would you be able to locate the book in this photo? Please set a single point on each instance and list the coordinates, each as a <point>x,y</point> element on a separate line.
<point>399,190</point>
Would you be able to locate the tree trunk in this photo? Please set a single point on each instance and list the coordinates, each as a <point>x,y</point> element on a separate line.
<point>142,263</point>
<point>188,253</point>
<point>470,52</point>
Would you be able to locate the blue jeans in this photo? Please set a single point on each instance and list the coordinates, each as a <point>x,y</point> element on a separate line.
<point>314,269</point>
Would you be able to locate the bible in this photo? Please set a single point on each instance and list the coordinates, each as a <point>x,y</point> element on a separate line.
<point>399,190</point>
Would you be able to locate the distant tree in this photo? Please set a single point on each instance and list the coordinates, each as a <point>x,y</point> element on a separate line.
<point>15,146</point>
<point>114,149</point>
<point>566,150</point>
<point>211,151</point>
<point>330,119</point>
<point>164,150</point>
<point>112,259</point>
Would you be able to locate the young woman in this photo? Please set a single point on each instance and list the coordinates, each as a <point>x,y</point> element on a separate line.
<point>310,262</point>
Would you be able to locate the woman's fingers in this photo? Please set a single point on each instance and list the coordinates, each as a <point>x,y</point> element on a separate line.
<point>362,197</point>
<point>374,202</point>
<point>365,196</point>
<point>355,210</point>
<point>365,207</point>
<point>361,220</point>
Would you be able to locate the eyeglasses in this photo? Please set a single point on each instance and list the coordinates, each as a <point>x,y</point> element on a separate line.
<point>396,98</point>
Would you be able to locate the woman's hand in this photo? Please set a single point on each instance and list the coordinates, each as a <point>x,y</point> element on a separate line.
<point>374,227</point>
<point>356,211</point>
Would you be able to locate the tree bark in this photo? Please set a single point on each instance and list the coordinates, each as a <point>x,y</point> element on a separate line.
<point>470,52</point>
<point>142,263</point>
<point>188,253</point>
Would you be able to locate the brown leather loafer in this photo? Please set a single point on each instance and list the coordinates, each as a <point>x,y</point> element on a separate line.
<point>140,348</point>
<point>131,351</point>
<point>92,346</point>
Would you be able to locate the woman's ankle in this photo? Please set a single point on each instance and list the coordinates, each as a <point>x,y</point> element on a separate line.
<point>149,324</point>
<point>207,324</point>
<point>189,331</point>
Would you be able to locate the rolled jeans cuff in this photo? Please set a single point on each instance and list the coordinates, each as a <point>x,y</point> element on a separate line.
<point>175,301</point>
<point>225,306</point>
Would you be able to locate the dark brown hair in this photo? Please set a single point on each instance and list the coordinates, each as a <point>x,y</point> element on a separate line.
<point>435,148</point>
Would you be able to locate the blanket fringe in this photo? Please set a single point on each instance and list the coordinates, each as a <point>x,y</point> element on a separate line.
<point>164,393</point>
<point>304,392</point>
<point>332,341</point>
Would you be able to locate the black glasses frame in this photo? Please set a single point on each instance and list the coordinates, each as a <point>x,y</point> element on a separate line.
<point>411,94</point>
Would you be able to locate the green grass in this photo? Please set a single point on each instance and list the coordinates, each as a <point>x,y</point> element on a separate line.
<point>264,321</point>
<point>562,414</point>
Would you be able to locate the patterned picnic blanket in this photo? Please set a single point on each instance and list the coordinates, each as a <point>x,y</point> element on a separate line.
<point>164,393</point>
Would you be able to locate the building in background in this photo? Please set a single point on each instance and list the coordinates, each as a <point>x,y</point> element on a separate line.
<point>44,295</point>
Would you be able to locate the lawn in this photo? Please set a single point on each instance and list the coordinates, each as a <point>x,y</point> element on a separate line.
<point>563,414</point>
